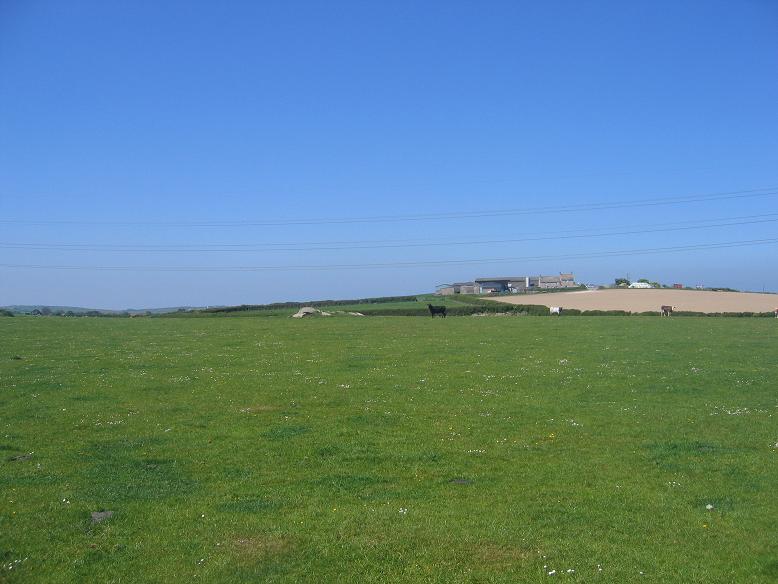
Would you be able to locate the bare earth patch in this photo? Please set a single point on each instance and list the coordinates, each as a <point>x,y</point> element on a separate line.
<point>501,556</point>
<point>258,408</point>
<point>259,547</point>
<point>637,300</point>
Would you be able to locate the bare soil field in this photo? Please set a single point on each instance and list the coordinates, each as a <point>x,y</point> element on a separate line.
<point>636,300</point>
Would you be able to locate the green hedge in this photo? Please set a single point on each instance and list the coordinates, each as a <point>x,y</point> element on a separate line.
<point>316,303</point>
<point>603,312</point>
<point>725,314</point>
<point>486,308</point>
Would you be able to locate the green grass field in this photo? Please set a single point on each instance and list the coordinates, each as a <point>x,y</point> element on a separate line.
<point>389,449</point>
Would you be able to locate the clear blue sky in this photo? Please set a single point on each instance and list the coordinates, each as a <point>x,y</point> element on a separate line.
<point>204,111</point>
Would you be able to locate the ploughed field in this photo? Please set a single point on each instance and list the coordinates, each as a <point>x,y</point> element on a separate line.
<point>388,450</point>
<point>644,300</point>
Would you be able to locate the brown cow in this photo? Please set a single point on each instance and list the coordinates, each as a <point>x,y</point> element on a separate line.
<point>666,310</point>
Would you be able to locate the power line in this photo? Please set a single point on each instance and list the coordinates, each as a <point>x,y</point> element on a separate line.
<point>653,202</point>
<point>612,253</point>
<point>387,244</point>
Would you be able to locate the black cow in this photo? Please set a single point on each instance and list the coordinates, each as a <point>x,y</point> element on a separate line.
<point>441,310</point>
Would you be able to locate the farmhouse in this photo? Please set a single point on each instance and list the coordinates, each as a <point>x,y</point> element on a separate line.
<point>560,281</point>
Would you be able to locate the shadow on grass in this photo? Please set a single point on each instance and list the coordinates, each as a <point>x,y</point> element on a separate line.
<point>120,471</point>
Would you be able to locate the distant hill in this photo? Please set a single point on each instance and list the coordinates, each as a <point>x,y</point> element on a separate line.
<point>161,310</point>
<point>28,308</point>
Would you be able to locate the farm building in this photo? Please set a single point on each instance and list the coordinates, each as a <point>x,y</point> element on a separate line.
<point>517,284</point>
<point>506,284</point>
<point>511,284</point>
<point>458,288</point>
<point>640,285</point>
<point>560,281</point>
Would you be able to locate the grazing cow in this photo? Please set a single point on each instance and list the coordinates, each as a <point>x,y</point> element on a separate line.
<point>441,310</point>
<point>555,310</point>
<point>666,310</point>
<point>776,313</point>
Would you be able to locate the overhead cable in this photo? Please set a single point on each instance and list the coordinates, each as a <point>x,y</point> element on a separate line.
<point>324,267</point>
<point>386,244</point>
<point>573,208</point>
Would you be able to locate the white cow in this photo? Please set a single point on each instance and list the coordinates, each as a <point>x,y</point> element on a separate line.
<point>555,310</point>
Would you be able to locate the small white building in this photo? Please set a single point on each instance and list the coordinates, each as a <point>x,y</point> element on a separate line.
<point>640,285</point>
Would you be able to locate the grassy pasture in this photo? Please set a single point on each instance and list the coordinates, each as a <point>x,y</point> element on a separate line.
<point>389,449</point>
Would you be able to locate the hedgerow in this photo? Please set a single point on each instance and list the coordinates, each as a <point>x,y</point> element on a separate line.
<point>315,303</point>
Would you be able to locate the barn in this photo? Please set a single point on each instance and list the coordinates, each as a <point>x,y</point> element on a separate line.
<point>458,288</point>
<point>517,284</point>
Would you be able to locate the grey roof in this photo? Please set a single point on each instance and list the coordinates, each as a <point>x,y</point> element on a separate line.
<point>454,284</point>
<point>503,279</point>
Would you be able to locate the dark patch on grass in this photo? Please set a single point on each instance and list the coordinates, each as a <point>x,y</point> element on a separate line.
<point>20,457</point>
<point>120,472</point>
<point>771,569</point>
<point>95,558</point>
<point>680,455</point>
<point>359,365</point>
<point>362,486</point>
<point>460,481</point>
<point>9,447</point>
<point>247,504</point>
<point>427,457</point>
<point>328,451</point>
<point>154,463</point>
<point>373,420</point>
<point>35,479</point>
<point>86,398</point>
<point>355,453</point>
<point>285,432</point>
<point>694,447</point>
<point>17,358</point>
<point>238,472</point>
